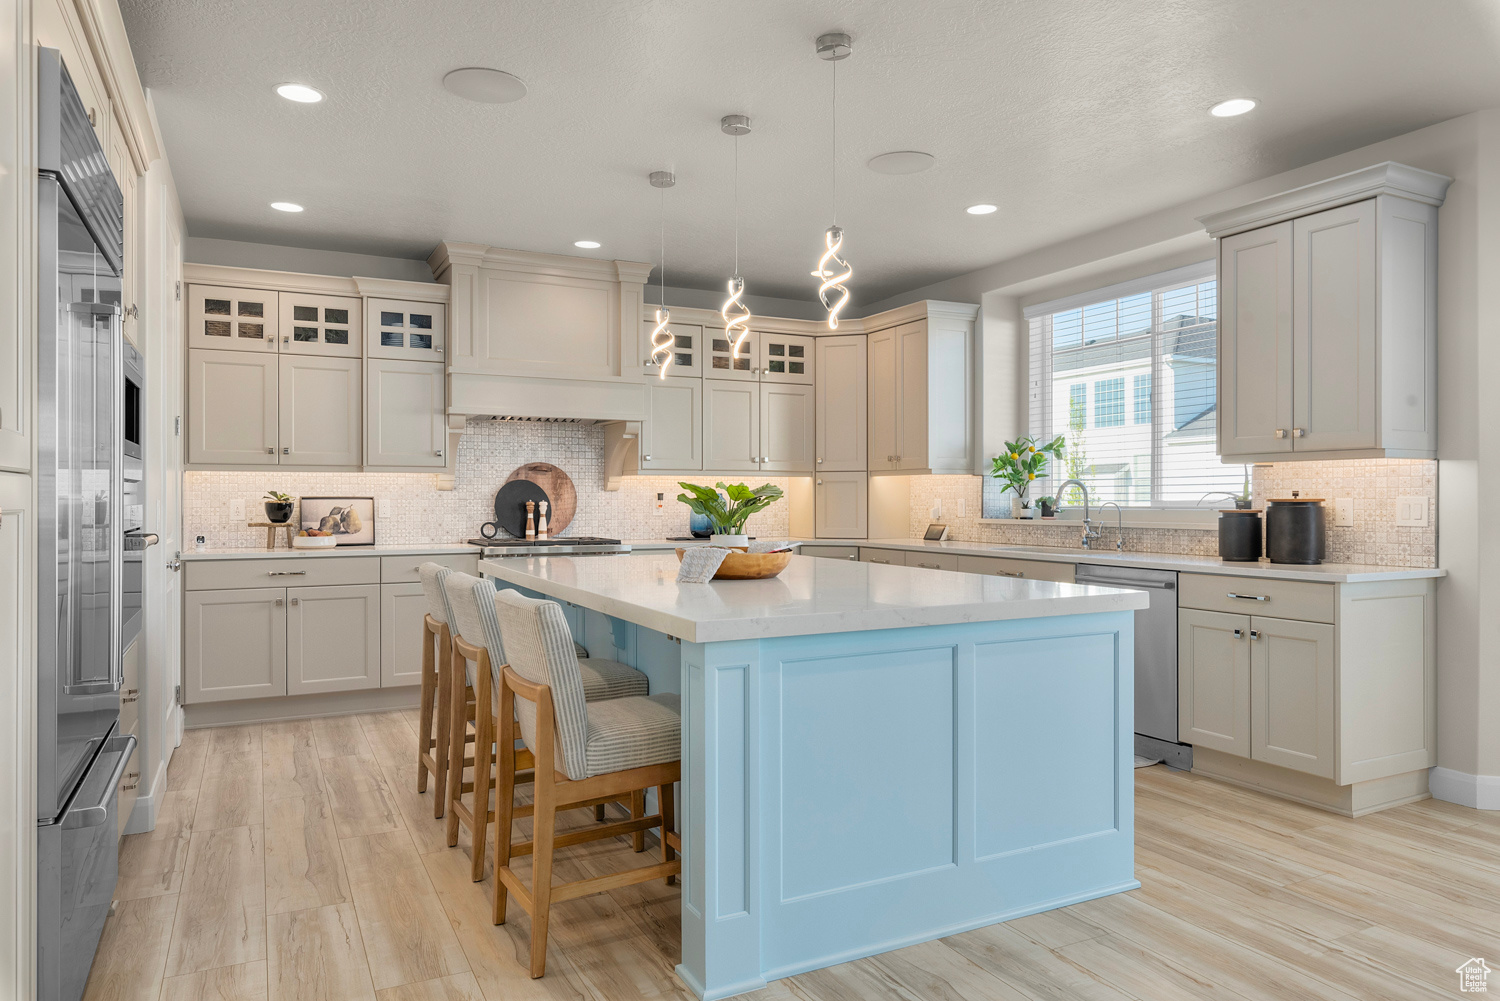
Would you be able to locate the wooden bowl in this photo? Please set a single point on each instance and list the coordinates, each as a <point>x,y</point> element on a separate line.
<point>739,565</point>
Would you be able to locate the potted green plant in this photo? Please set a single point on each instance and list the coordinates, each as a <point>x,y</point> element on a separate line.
<point>727,508</point>
<point>278,507</point>
<point>1023,461</point>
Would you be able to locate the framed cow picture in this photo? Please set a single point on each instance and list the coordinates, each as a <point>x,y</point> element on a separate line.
<point>350,520</point>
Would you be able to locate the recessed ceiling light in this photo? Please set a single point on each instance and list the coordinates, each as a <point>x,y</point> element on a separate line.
<point>586,244</point>
<point>981,209</point>
<point>286,206</point>
<point>487,86</point>
<point>301,93</point>
<point>1233,106</point>
<point>906,161</point>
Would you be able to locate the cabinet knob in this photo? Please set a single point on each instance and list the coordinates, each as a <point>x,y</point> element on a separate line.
<point>647,457</point>
<point>1299,432</point>
<point>438,453</point>
<point>820,483</point>
<point>286,340</point>
<point>270,450</point>
<point>1255,634</point>
<point>1281,432</point>
<point>820,460</point>
<point>853,556</point>
<point>286,451</point>
<point>279,602</point>
<point>296,601</point>
<point>1239,633</point>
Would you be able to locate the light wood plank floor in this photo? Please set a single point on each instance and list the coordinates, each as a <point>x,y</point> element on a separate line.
<point>297,862</point>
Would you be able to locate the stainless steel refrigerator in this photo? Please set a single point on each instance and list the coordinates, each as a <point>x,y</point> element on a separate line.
<point>80,754</point>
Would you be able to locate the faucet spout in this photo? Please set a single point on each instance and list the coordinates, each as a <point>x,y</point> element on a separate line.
<point>1088,530</point>
<point>1119,524</point>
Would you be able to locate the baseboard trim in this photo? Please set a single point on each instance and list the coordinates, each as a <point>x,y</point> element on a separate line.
<point>143,814</point>
<point>287,707</point>
<point>1353,800</point>
<point>1479,792</point>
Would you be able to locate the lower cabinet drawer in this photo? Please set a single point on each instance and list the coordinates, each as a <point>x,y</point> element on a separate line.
<point>403,569</point>
<point>1306,601</point>
<point>831,552</point>
<point>894,557</point>
<point>1028,569</point>
<point>283,571</point>
<point>932,561</point>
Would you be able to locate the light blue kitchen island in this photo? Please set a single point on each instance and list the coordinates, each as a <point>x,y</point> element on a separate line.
<point>873,755</point>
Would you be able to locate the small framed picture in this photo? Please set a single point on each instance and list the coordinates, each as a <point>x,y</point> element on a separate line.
<point>350,520</point>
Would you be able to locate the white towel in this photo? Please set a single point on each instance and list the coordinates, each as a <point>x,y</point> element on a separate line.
<point>700,563</point>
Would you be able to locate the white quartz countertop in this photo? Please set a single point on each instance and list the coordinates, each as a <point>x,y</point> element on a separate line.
<point>261,553</point>
<point>810,596</point>
<point>1328,573</point>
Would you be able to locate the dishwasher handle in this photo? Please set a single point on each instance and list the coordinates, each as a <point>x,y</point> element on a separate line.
<point>1166,585</point>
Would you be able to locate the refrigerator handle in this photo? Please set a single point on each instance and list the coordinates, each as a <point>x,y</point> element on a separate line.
<point>117,502</point>
<point>92,816</point>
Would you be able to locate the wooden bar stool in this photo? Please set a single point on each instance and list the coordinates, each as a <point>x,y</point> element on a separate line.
<point>477,647</point>
<point>437,685</point>
<point>582,751</point>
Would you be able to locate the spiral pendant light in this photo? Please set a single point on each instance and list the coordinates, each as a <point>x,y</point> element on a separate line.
<point>662,341</point>
<point>735,313</point>
<point>833,271</point>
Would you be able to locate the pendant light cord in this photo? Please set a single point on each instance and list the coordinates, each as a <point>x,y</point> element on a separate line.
<point>663,248</point>
<point>736,204</point>
<point>835,141</point>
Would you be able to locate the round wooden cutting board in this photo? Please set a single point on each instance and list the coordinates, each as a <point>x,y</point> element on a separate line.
<point>559,488</point>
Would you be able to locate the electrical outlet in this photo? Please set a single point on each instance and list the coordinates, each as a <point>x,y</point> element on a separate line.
<point>1343,512</point>
<point>237,509</point>
<point>937,507</point>
<point>383,508</point>
<point>661,503</point>
<point>1411,512</point>
<point>960,507</point>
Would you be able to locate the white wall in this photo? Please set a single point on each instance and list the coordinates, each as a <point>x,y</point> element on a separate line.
<point>235,254</point>
<point>1467,149</point>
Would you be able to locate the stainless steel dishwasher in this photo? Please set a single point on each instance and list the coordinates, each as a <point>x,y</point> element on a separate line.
<point>1155,659</point>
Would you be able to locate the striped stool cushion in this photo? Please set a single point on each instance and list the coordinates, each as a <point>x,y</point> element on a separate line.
<point>633,732</point>
<point>433,575</point>
<point>609,679</point>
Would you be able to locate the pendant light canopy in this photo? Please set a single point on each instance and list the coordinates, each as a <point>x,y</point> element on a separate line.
<point>734,311</point>
<point>833,271</point>
<point>661,336</point>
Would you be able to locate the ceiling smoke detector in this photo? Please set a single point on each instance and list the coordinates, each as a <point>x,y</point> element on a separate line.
<point>485,85</point>
<point>905,161</point>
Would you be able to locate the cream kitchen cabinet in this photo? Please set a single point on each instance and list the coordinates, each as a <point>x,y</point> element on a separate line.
<point>403,613</point>
<point>233,319</point>
<point>726,363</point>
<point>841,505</point>
<point>672,434</point>
<point>406,331</point>
<point>687,347</point>
<point>764,356</point>
<point>235,644</point>
<point>928,560</point>
<point>731,426</point>
<point>920,395</point>
<point>1328,319</point>
<point>787,420</point>
<point>332,638</point>
<point>320,324</point>
<point>842,422</point>
<point>322,412</point>
<point>404,420</point>
<point>1322,692</point>
<point>234,414</point>
<point>1002,566</point>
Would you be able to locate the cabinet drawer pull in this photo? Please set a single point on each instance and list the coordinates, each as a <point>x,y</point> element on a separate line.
<point>1010,573</point>
<point>1249,597</point>
<point>286,573</point>
<point>929,566</point>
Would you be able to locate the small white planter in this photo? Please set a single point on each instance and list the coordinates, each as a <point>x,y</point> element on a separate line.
<point>730,541</point>
<point>1018,507</point>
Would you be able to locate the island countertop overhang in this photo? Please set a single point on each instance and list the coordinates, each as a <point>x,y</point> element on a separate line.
<point>810,597</point>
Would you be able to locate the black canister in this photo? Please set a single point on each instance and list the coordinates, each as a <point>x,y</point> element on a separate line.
<point>1239,535</point>
<point>1296,530</point>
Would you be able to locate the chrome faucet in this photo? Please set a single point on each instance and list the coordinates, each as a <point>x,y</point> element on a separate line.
<point>1088,526</point>
<point>1119,524</point>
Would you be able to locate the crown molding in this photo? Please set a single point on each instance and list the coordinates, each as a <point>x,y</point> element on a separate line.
<point>395,288</point>
<point>1388,178</point>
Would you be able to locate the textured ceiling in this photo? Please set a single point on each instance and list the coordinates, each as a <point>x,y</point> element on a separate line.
<point>1070,115</point>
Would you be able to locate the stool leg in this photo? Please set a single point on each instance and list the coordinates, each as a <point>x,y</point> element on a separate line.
<point>424,736</point>
<point>666,800</point>
<point>637,811</point>
<point>440,750</point>
<point>505,792</point>
<point>599,812</point>
<point>543,825</point>
<point>457,724</point>
<point>484,749</point>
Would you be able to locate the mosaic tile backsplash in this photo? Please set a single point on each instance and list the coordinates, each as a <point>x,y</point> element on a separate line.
<point>1373,484</point>
<point>488,452</point>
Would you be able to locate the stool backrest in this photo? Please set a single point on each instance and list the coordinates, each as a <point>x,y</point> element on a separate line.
<point>433,575</point>
<point>463,610</point>
<point>539,648</point>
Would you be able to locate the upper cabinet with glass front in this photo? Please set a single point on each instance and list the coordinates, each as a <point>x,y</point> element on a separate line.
<point>406,331</point>
<point>233,319</point>
<point>320,324</point>
<point>1328,319</point>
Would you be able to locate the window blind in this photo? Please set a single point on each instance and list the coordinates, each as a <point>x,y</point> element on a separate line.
<point>1127,375</point>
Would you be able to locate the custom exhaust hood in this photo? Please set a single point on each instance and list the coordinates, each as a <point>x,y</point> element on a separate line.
<point>541,337</point>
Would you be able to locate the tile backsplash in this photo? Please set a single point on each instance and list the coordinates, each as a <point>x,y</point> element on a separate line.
<point>488,452</point>
<point>1373,484</point>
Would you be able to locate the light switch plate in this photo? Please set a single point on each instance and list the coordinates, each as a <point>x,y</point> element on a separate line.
<point>960,507</point>
<point>237,509</point>
<point>1343,512</point>
<point>383,508</point>
<point>1411,512</point>
<point>937,507</point>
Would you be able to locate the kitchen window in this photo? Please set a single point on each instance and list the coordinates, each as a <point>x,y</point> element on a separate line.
<point>1158,337</point>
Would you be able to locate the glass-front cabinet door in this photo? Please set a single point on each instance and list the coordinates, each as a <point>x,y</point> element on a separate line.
<point>320,324</point>
<point>686,347</point>
<point>233,319</point>
<point>405,331</point>
<point>726,363</point>
<point>785,358</point>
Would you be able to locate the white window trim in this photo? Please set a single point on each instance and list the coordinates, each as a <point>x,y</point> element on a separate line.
<point>1193,518</point>
<point>1190,274</point>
